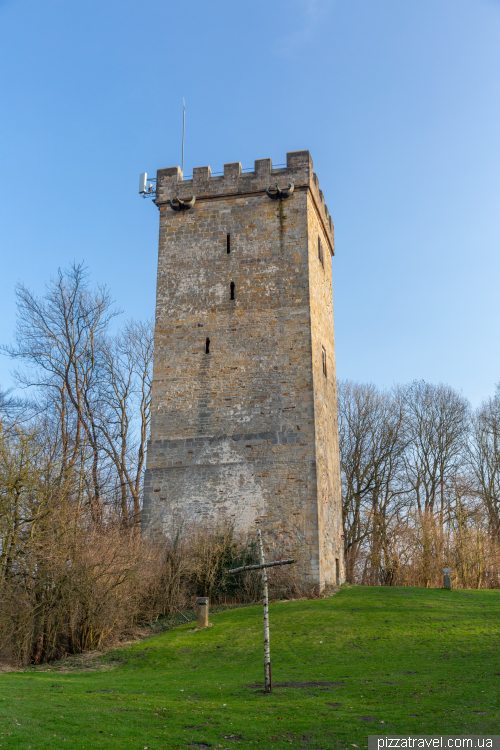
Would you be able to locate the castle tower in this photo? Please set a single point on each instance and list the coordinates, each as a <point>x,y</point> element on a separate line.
<point>244,416</point>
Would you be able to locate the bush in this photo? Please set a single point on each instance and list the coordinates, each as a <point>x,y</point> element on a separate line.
<point>79,588</point>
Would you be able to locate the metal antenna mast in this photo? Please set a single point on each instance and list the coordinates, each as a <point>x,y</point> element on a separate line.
<point>183,131</point>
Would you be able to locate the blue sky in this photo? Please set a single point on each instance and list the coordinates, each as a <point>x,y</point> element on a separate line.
<point>397,100</point>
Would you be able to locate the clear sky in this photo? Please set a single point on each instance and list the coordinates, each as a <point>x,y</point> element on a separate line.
<point>398,102</point>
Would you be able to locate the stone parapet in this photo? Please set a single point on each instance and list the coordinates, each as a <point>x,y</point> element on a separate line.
<point>299,170</point>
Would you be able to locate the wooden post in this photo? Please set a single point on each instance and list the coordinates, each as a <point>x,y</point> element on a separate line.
<point>268,684</point>
<point>262,566</point>
<point>202,612</point>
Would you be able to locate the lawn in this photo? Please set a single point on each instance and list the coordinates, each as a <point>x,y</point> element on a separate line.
<point>365,661</point>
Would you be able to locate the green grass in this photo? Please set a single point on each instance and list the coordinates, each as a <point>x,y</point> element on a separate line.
<point>395,660</point>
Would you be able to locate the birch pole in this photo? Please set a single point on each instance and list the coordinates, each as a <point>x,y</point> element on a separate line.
<point>268,685</point>
<point>262,566</point>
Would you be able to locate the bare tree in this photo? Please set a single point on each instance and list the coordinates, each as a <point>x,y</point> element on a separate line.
<point>370,454</point>
<point>436,424</point>
<point>127,362</point>
<point>95,388</point>
<point>484,457</point>
<point>57,338</point>
<point>28,489</point>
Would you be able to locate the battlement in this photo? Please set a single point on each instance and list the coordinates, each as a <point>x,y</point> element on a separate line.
<point>234,182</point>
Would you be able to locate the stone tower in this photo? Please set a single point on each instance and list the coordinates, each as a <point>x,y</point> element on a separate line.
<point>244,418</point>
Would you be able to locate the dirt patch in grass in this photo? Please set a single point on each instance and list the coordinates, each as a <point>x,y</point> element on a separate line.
<point>93,661</point>
<point>90,661</point>
<point>198,726</point>
<point>300,684</point>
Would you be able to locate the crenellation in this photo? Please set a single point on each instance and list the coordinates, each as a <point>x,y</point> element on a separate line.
<point>263,167</point>
<point>205,186</point>
<point>232,171</point>
<point>170,172</point>
<point>201,174</point>
<point>300,160</point>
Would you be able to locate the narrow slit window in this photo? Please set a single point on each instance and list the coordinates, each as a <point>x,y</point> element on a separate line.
<point>320,252</point>
<point>323,360</point>
<point>207,346</point>
<point>232,289</point>
<point>228,243</point>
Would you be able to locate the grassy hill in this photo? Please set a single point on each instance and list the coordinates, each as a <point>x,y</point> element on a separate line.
<point>366,661</point>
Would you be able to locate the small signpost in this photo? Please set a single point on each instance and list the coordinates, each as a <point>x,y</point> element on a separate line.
<point>447,579</point>
<point>262,566</point>
<point>202,612</point>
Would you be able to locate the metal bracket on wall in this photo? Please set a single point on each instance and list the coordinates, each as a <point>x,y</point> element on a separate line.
<point>179,205</point>
<point>278,194</point>
<point>146,187</point>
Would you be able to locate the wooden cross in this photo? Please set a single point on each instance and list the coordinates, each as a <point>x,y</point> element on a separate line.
<point>262,566</point>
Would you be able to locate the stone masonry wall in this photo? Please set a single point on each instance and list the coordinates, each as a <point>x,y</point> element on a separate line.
<point>238,431</point>
<point>325,400</point>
